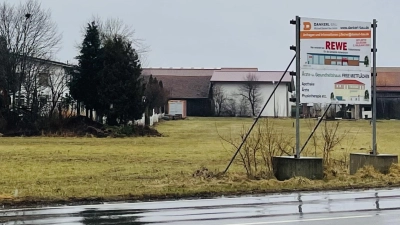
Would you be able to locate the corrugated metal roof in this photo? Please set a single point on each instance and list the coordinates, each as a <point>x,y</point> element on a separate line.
<point>185,86</point>
<point>237,69</point>
<point>388,79</point>
<point>189,72</point>
<point>262,76</point>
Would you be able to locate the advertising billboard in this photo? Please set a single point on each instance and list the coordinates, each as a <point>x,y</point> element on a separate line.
<point>335,58</point>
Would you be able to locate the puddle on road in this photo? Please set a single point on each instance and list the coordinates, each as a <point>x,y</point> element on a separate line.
<point>206,209</point>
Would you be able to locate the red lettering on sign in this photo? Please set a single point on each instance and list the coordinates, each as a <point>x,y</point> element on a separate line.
<point>332,45</point>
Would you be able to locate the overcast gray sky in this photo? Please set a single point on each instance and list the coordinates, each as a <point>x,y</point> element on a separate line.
<point>223,33</point>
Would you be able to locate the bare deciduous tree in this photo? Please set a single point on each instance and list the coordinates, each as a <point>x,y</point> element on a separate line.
<point>115,27</point>
<point>219,98</point>
<point>250,91</point>
<point>29,33</point>
<point>230,107</point>
<point>57,81</point>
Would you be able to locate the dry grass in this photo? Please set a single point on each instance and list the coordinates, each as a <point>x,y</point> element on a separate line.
<point>72,169</point>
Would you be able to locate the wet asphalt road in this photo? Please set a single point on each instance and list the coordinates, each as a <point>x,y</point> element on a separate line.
<point>369,207</point>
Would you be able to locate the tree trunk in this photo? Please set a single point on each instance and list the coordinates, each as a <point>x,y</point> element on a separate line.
<point>91,114</point>
<point>59,112</point>
<point>13,102</point>
<point>252,108</point>
<point>78,109</point>
<point>146,117</point>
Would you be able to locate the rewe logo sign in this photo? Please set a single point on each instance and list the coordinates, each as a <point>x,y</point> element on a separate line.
<point>334,45</point>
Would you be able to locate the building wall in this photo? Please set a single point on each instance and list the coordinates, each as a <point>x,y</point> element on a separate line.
<point>199,107</point>
<point>195,106</point>
<point>388,105</point>
<point>282,104</point>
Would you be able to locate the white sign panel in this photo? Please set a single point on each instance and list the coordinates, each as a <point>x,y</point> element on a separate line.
<point>335,57</point>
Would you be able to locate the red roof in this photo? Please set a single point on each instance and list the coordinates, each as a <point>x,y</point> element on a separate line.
<point>349,82</point>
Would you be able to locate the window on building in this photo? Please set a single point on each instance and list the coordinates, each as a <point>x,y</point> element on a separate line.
<point>345,63</point>
<point>44,79</point>
<point>315,59</point>
<point>321,60</point>
<point>309,59</point>
<point>21,101</point>
<point>327,57</point>
<point>43,100</point>
<point>333,62</point>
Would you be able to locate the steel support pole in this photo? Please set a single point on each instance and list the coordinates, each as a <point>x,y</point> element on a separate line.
<point>315,128</point>
<point>297,87</point>
<point>374,145</point>
<point>259,115</point>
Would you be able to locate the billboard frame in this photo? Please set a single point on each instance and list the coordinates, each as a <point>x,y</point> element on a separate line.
<point>298,82</point>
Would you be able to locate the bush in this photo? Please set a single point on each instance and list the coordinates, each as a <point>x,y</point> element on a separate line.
<point>257,152</point>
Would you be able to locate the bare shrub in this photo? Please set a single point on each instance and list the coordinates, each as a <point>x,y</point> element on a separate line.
<point>219,98</point>
<point>324,142</point>
<point>343,160</point>
<point>263,143</point>
<point>230,108</point>
<point>331,138</point>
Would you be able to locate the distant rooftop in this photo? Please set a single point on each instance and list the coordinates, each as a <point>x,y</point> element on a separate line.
<point>190,71</point>
<point>239,76</point>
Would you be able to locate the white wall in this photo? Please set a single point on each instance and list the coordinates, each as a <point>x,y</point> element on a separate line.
<point>282,104</point>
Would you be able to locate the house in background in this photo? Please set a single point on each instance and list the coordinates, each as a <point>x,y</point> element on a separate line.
<point>189,89</point>
<point>44,84</point>
<point>231,82</point>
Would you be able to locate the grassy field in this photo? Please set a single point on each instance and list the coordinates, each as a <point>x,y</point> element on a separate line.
<point>50,170</point>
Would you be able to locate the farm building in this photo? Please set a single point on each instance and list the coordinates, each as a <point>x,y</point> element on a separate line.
<point>235,87</point>
<point>189,89</point>
<point>388,93</point>
<point>192,91</point>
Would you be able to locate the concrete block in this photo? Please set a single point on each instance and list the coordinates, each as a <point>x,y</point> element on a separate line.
<point>380,162</point>
<point>286,167</point>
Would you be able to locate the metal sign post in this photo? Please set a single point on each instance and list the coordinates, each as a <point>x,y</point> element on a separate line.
<point>297,155</point>
<point>374,146</point>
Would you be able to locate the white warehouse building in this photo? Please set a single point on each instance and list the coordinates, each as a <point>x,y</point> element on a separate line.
<point>233,85</point>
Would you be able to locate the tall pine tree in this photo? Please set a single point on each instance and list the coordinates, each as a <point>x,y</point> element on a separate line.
<point>84,86</point>
<point>122,88</point>
<point>156,96</point>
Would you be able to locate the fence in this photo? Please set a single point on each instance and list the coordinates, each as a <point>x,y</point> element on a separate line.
<point>153,119</point>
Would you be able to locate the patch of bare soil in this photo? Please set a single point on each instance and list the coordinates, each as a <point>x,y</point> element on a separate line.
<point>82,126</point>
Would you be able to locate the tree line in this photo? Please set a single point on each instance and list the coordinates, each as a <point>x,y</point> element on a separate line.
<point>107,79</point>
